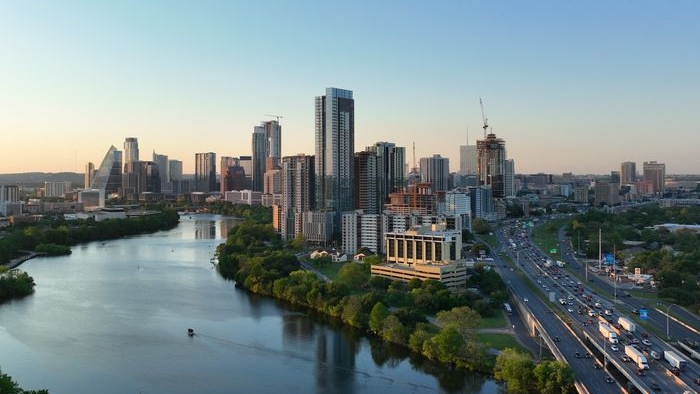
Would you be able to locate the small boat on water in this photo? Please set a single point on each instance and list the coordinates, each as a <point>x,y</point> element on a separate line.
<point>190,332</point>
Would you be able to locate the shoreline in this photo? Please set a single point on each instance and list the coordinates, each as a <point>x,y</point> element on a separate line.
<point>16,262</point>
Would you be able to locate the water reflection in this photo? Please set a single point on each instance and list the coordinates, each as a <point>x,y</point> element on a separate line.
<point>132,299</point>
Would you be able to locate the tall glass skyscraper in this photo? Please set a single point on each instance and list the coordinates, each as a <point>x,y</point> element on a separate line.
<point>205,172</point>
<point>335,150</point>
<point>259,149</point>
<point>109,176</point>
<point>131,150</point>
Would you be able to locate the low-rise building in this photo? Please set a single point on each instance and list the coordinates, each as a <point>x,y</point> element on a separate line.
<point>427,252</point>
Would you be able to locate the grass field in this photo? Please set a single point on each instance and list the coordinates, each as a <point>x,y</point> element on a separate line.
<point>330,270</point>
<point>500,341</point>
<point>498,321</point>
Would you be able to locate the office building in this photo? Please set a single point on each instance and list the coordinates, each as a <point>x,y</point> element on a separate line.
<point>273,136</point>
<point>607,193</point>
<point>435,170</point>
<point>656,174</point>
<point>164,171</point>
<point>108,176</point>
<point>335,150</point>
<point>205,172</point>
<point>491,157</point>
<point>628,173</point>
<point>131,150</point>
<point>427,252</point>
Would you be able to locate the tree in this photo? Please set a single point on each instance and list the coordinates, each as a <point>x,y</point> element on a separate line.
<point>393,330</point>
<point>554,377</point>
<point>449,344</point>
<point>515,369</point>
<point>481,226</point>
<point>464,319</point>
<point>377,315</point>
<point>9,386</point>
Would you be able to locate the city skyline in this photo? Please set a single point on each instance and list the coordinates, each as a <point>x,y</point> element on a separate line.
<point>571,87</point>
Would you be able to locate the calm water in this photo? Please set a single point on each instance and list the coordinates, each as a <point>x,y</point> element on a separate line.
<point>112,318</point>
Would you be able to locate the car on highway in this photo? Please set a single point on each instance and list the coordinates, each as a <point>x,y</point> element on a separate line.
<point>525,299</point>
<point>625,358</point>
<point>646,342</point>
<point>571,310</point>
<point>610,380</point>
<point>614,348</point>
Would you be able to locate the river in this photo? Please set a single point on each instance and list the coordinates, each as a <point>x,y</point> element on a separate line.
<point>112,317</point>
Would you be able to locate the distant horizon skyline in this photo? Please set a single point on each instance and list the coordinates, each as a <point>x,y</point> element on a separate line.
<point>570,87</point>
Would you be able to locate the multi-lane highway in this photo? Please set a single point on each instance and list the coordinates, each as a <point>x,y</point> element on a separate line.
<point>575,301</point>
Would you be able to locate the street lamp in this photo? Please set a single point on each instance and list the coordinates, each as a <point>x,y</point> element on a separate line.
<point>668,337</point>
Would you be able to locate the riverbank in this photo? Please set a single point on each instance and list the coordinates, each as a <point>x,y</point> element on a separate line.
<point>14,263</point>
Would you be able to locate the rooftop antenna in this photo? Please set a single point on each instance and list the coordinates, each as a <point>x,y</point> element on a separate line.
<point>278,117</point>
<point>484,118</point>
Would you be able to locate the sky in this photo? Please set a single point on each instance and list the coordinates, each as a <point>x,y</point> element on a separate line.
<point>571,86</point>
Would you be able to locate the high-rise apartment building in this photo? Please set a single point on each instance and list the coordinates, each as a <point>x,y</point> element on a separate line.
<point>259,150</point>
<point>656,173</point>
<point>231,170</point>
<point>435,170</point>
<point>366,181</point>
<point>297,192</point>
<point>491,157</point>
<point>273,136</point>
<point>391,169</point>
<point>467,160</point>
<point>205,172</point>
<point>509,178</point>
<point>247,163</point>
<point>628,173</point>
<point>131,150</point>
<point>335,150</point>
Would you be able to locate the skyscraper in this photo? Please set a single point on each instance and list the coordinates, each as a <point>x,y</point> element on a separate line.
<point>509,178</point>
<point>467,160</point>
<point>89,175</point>
<point>164,171</point>
<point>131,150</point>
<point>297,192</point>
<point>205,172</point>
<point>490,165</point>
<point>656,174</point>
<point>259,150</point>
<point>230,169</point>
<point>628,173</point>
<point>335,150</point>
<point>109,176</point>
<point>366,181</point>
<point>273,135</point>
<point>436,171</point>
<point>391,169</point>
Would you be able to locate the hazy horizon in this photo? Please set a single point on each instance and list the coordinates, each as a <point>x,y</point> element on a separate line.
<point>570,86</point>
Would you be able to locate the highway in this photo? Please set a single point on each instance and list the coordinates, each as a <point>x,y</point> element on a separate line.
<point>569,301</point>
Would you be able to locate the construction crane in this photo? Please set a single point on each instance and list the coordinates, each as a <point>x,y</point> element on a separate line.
<point>278,117</point>
<point>483,117</point>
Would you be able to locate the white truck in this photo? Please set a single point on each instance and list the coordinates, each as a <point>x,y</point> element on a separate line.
<point>636,357</point>
<point>608,333</point>
<point>674,359</point>
<point>560,264</point>
<point>627,324</point>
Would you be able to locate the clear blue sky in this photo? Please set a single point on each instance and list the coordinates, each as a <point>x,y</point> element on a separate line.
<point>570,85</point>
